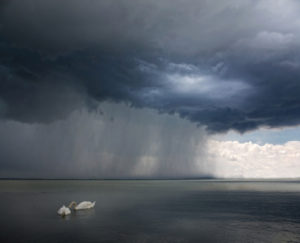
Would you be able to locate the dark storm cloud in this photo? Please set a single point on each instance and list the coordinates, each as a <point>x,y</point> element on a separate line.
<point>222,64</point>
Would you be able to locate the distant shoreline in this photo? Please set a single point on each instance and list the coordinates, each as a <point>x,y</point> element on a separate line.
<point>159,179</point>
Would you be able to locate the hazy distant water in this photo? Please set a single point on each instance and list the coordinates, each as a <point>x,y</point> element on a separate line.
<point>151,211</point>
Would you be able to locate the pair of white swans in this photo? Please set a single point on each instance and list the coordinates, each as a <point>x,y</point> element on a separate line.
<point>63,211</point>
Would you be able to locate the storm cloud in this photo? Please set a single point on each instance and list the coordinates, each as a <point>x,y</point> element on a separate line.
<point>221,64</point>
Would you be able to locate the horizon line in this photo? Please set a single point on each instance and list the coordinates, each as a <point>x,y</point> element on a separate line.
<point>154,179</point>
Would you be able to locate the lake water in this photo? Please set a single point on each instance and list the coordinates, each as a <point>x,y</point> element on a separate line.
<point>151,211</point>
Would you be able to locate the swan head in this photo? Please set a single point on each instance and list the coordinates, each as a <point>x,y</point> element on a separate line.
<point>72,204</point>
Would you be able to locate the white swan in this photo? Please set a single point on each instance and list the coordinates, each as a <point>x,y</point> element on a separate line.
<point>63,211</point>
<point>82,205</point>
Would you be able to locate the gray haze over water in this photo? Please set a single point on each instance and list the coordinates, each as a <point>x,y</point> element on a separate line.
<point>115,142</point>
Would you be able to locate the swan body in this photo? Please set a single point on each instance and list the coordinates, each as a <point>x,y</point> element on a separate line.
<point>63,211</point>
<point>85,205</point>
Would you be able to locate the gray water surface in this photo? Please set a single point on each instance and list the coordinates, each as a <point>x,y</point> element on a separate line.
<point>151,211</point>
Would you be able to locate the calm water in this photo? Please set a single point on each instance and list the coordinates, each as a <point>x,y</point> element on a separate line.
<point>151,211</point>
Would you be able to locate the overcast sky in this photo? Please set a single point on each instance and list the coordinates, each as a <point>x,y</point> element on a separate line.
<point>129,88</point>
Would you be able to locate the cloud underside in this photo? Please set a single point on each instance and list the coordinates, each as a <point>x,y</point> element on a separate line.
<point>221,64</point>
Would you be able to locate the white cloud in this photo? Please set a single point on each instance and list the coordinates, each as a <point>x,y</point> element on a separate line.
<point>249,160</point>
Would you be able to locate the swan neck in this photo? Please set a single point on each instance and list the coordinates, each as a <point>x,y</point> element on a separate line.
<point>72,204</point>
